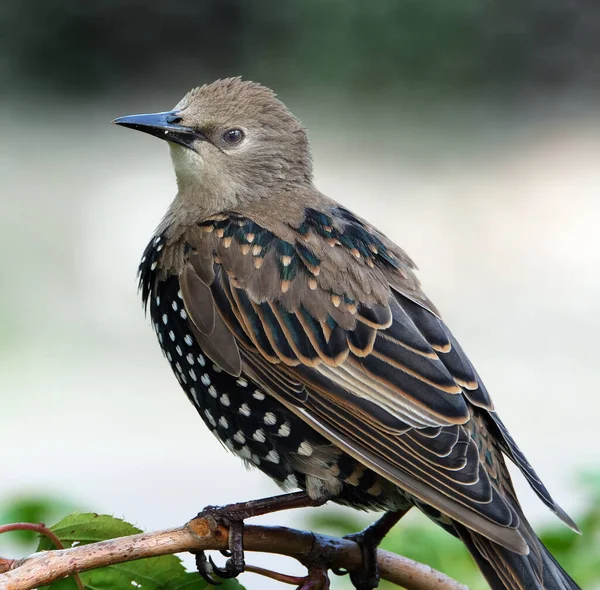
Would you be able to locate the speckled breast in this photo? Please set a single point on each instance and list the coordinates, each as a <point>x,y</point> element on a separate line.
<point>247,421</point>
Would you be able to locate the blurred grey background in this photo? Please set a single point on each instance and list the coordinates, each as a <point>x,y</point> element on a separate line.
<point>467,131</point>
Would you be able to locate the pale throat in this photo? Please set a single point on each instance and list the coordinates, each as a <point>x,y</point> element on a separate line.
<point>189,169</point>
<point>203,188</point>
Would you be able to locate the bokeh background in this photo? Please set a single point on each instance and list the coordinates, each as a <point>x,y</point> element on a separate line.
<point>468,131</point>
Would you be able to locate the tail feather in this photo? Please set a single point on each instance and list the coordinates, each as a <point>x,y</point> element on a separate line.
<point>510,448</point>
<point>506,570</point>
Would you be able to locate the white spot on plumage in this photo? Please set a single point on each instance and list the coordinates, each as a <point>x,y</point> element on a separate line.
<point>157,240</point>
<point>159,248</point>
<point>193,374</point>
<point>174,305</point>
<point>179,294</point>
<point>160,338</point>
<point>242,382</point>
<point>255,459</point>
<point>217,369</point>
<point>259,435</point>
<point>270,419</point>
<point>194,395</point>
<point>189,358</point>
<point>183,314</point>
<point>273,456</point>
<point>284,430</point>
<point>157,301</point>
<point>229,445</point>
<point>205,379</point>
<point>290,482</point>
<point>201,360</point>
<point>188,340</point>
<point>169,356</point>
<point>210,418</point>
<point>212,391</point>
<point>178,367</point>
<point>224,399</point>
<point>259,395</point>
<point>244,409</point>
<point>245,452</point>
<point>239,437</point>
<point>172,335</point>
<point>305,449</point>
<point>143,260</point>
<point>165,318</point>
<point>223,422</point>
<point>179,351</point>
<point>153,265</point>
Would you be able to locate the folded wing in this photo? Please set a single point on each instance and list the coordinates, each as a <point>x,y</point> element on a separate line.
<point>328,317</point>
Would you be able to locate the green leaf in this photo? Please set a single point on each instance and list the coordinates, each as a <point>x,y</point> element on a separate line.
<point>32,508</point>
<point>156,573</point>
<point>82,528</point>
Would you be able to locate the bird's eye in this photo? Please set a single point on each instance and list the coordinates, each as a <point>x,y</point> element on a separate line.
<point>233,136</point>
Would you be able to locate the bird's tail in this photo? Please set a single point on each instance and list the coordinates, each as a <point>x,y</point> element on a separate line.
<point>506,570</point>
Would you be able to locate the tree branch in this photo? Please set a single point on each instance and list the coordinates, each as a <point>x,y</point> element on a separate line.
<point>45,567</point>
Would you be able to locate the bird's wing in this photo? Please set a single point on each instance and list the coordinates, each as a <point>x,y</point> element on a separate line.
<point>328,317</point>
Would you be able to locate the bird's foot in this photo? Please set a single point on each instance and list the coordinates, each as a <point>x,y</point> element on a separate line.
<point>235,563</point>
<point>367,576</point>
<point>232,517</point>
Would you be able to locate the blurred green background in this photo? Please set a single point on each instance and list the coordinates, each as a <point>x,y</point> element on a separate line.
<point>468,131</point>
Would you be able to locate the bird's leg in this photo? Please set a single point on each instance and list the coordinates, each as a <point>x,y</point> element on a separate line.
<point>367,576</point>
<point>233,516</point>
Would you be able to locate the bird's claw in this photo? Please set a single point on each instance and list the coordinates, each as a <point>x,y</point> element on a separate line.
<point>231,569</point>
<point>205,568</point>
<point>235,563</point>
<point>366,577</point>
<point>208,569</point>
<point>339,571</point>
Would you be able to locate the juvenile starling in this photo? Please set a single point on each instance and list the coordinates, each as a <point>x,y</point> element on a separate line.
<point>301,335</point>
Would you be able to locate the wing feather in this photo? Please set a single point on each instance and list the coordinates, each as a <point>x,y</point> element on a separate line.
<point>330,320</point>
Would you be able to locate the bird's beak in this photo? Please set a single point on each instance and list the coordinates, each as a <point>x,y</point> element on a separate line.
<point>163,125</point>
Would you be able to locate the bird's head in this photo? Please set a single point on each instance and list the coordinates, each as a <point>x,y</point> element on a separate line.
<point>231,140</point>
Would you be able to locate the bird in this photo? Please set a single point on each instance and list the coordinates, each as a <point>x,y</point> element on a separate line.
<point>303,338</point>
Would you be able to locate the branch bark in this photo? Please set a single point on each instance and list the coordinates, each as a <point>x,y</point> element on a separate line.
<point>45,567</point>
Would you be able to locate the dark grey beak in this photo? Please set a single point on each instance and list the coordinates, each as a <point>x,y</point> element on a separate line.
<point>163,125</point>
